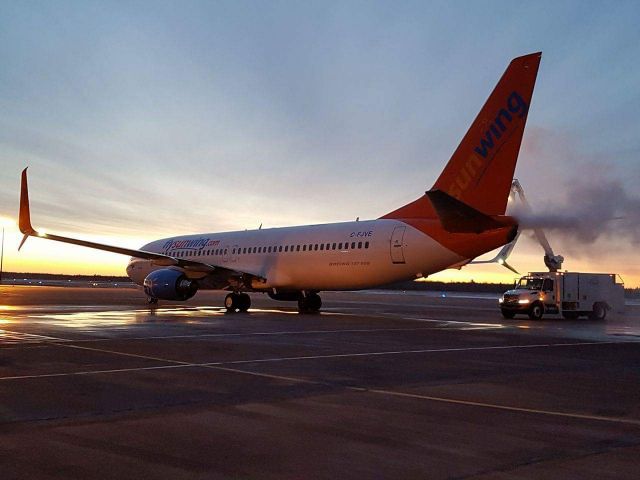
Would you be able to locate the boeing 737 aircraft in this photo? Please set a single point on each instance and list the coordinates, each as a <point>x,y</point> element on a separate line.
<point>460,218</point>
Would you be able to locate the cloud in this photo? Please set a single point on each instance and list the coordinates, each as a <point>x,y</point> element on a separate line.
<point>597,208</point>
<point>584,201</point>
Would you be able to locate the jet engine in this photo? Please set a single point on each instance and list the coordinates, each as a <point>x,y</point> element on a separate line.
<point>169,284</point>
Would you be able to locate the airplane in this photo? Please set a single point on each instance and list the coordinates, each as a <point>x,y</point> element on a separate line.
<point>460,218</point>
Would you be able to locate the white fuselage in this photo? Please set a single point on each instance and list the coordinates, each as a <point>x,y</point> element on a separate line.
<point>336,256</point>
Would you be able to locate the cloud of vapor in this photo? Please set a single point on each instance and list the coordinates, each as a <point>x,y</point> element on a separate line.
<point>599,208</point>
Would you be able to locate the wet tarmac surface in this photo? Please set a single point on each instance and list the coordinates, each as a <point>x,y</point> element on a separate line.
<point>94,384</point>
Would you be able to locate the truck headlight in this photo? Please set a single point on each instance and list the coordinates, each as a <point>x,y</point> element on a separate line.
<point>524,300</point>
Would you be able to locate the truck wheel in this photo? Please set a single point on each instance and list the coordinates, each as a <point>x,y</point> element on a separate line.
<point>508,314</point>
<point>599,312</point>
<point>536,311</point>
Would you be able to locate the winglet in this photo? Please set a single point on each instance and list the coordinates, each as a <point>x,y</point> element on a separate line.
<point>24,221</point>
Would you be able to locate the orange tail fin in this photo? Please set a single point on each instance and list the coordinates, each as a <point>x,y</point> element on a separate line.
<point>481,169</point>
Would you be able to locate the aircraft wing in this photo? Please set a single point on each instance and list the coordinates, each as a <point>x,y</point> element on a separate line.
<point>24,223</point>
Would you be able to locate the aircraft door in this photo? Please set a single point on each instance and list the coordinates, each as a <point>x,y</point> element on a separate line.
<point>225,253</point>
<point>235,251</point>
<point>397,252</point>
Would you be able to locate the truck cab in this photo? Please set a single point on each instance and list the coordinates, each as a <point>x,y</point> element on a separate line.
<point>571,294</point>
<point>532,295</point>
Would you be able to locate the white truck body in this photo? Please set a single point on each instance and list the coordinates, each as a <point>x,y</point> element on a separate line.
<point>571,294</point>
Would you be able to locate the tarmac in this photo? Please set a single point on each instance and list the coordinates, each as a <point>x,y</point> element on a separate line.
<point>95,384</point>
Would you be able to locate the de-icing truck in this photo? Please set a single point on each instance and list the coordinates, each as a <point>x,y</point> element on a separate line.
<point>571,294</point>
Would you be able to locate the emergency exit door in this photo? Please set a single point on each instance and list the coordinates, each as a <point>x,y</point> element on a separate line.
<point>397,238</point>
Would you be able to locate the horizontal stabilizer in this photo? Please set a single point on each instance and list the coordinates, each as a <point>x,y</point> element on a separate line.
<point>503,254</point>
<point>458,217</point>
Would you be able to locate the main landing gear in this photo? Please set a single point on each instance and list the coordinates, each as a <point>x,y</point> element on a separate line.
<point>309,303</point>
<point>237,302</point>
<point>152,300</point>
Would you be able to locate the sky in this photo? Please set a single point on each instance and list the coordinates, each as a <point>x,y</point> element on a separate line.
<point>141,120</point>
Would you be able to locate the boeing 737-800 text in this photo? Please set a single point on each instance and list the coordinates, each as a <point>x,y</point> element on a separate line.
<point>460,218</point>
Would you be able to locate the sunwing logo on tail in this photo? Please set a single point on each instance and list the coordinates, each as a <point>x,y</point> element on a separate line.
<point>515,106</point>
<point>477,164</point>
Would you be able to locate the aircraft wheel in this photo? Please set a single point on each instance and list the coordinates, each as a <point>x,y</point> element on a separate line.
<point>536,311</point>
<point>231,302</point>
<point>152,300</point>
<point>309,304</point>
<point>244,302</point>
<point>302,305</point>
<point>315,302</point>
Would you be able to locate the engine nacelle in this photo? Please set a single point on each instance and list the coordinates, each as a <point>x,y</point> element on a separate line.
<point>169,284</point>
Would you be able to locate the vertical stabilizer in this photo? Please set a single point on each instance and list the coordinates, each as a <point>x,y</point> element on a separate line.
<point>481,169</point>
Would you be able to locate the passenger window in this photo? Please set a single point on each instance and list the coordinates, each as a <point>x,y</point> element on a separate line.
<point>359,244</point>
<point>304,248</point>
<point>333,247</point>
<point>353,245</point>
<point>328,246</point>
<point>340,246</point>
<point>280,248</point>
<point>286,248</point>
<point>322,246</point>
<point>366,244</point>
<point>297,248</point>
<point>226,250</point>
<point>315,247</point>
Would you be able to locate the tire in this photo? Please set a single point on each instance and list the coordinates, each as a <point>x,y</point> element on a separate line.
<point>599,312</point>
<point>302,305</point>
<point>244,302</point>
<point>314,302</point>
<point>536,311</point>
<point>508,314</point>
<point>309,304</point>
<point>231,302</point>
